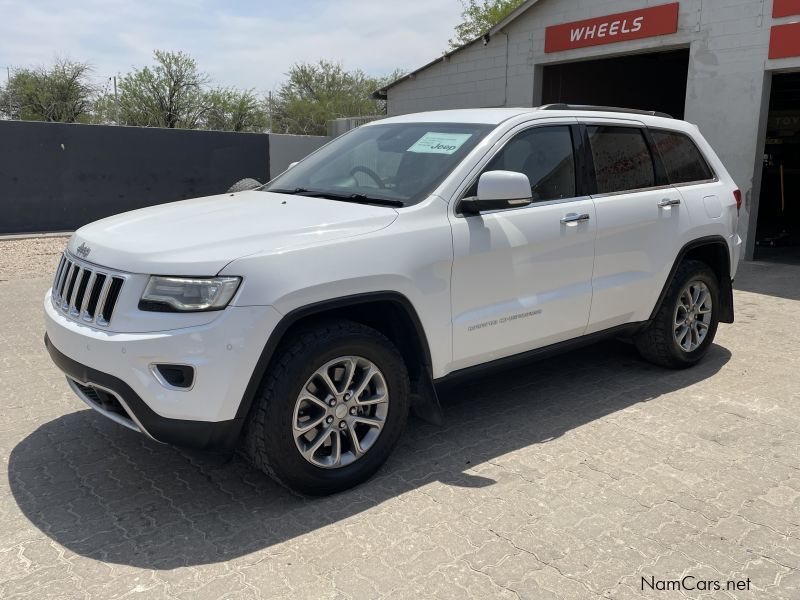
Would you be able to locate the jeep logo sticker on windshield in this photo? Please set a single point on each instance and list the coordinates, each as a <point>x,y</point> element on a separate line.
<point>439,143</point>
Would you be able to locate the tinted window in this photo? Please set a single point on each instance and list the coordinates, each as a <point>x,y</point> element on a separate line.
<point>545,155</point>
<point>622,160</point>
<point>681,158</point>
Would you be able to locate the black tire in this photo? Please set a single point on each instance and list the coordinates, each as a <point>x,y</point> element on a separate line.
<point>657,343</point>
<point>269,442</point>
<point>244,185</point>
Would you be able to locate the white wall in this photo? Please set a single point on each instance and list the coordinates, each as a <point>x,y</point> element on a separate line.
<point>727,90</point>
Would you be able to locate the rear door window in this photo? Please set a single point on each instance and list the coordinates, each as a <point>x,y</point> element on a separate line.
<point>622,159</point>
<point>682,159</point>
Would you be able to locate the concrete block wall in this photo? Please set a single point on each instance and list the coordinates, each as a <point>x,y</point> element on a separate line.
<point>286,149</point>
<point>727,89</point>
<point>475,76</point>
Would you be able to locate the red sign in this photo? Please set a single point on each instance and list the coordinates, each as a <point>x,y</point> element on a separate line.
<point>784,40</point>
<point>633,25</point>
<point>785,8</point>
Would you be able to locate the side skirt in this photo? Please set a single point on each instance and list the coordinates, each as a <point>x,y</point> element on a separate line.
<point>538,354</point>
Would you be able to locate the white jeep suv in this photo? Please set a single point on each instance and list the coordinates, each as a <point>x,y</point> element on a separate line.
<point>302,320</point>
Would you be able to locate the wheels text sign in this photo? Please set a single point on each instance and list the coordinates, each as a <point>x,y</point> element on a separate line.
<point>620,27</point>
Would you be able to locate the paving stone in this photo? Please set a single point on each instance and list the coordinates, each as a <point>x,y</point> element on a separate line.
<point>571,478</point>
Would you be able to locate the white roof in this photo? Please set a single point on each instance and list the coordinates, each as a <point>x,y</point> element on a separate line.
<point>495,116</point>
<point>489,116</point>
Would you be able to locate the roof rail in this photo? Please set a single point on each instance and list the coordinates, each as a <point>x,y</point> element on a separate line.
<point>592,107</point>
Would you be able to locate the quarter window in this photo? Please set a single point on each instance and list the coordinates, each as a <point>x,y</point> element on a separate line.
<point>682,159</point>
<point>622,159</point>
<point>545,155</point>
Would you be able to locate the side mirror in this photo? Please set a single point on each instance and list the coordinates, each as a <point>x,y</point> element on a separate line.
<point>498,190</point>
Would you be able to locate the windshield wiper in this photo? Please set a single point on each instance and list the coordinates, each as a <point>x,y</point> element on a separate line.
<point>360,198</point>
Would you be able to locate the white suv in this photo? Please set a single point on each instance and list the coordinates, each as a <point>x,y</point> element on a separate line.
<point>308,316</point>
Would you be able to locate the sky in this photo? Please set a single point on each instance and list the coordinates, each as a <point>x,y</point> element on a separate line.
<point>248,44</point>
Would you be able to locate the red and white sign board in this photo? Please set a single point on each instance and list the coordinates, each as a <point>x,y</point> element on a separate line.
<point>620,27</point>
<point>785,8</point>
<point>784,40</point>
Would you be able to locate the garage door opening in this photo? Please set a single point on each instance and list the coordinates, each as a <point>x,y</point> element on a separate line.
<point>652,81</point>
<point>778,225</point>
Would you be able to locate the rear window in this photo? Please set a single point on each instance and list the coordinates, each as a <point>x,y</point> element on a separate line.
<point>682,159</point>
<point>622,159</point>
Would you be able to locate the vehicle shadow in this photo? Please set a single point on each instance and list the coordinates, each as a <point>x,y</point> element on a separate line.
<point>107,493</point>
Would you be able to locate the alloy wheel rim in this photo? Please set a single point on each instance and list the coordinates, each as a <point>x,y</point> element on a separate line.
<point>340,412</point>
<point>692,317</point>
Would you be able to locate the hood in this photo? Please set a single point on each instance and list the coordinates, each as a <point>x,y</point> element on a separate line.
<point>202,235</point>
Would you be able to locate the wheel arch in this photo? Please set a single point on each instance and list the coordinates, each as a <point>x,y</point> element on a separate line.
<point>389,312</point>
<point>712,250</point>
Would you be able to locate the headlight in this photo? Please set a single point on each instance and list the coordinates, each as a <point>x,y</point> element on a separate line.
<point>188,294</point>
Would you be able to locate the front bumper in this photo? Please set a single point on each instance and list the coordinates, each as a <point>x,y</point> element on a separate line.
<point>111,372</point>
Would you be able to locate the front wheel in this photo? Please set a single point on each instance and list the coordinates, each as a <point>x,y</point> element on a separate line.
<point>330,409</point>
<point>686,322</point>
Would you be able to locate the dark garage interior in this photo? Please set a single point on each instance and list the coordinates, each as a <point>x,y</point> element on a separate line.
<point>778,230</point>
<point>651,81</point>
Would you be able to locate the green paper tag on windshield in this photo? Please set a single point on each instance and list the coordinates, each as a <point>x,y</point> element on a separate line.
<point>439,143</point>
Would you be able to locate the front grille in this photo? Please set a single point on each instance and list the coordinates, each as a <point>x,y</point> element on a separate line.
<point>86,292</point>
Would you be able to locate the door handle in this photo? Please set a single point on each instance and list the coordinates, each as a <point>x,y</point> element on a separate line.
<point>668,202</point>
<point>574,218</point>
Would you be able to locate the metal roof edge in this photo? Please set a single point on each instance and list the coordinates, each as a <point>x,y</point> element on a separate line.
<point>380,94</point>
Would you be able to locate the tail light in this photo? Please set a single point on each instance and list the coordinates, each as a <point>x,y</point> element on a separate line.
<point>738,195</point>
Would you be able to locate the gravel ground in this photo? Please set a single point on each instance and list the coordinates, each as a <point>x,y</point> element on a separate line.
<point>30,257</point>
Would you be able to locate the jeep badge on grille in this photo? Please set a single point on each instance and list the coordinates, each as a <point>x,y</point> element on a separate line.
<point>83,250</point>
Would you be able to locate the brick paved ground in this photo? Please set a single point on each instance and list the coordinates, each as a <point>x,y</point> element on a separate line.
<point>571,478</point>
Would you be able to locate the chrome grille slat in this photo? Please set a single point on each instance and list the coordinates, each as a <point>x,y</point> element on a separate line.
<point>73,299</point>
<point>63,281</point>
<point>70,283</point>
<point>101,301</point>
<point>94,297</point>
<point>87,294</point>
<point>110,301</point>
<point>57,278</point>
<point>81,291</point>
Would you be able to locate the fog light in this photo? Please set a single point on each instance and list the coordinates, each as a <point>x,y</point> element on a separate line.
<point>174,376</point>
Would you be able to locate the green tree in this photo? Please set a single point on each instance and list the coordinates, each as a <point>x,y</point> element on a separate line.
<point>62,92</point>
<point>174,93</point>
<point>316,93</point>
<point>171,93</point>
<point>480,17</point>
<point>234,110</point>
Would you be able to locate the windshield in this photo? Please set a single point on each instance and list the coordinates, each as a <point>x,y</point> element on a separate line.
<point>396,162</point>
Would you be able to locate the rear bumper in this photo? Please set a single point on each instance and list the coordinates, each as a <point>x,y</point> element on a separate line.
<point>134,413</point>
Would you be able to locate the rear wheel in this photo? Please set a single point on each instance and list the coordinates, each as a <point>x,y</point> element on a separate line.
<point>686,322</point>
<point>330,409</point>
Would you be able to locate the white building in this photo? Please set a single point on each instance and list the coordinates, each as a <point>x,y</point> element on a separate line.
<point>730,66</point>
